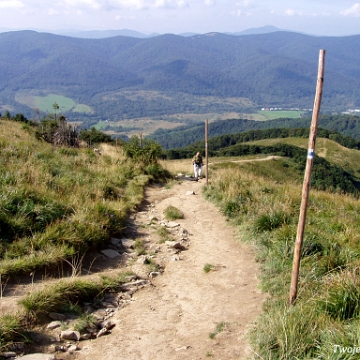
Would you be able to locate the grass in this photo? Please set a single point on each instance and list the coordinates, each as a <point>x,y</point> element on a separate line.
<point>42,221</point>
<point>139,247</point>
<point>56,206</point>
<point>173,213</point>
<point>278,114</point>
<point>65,295</point>
<point>219,328</point>
<point>164,234</point>
<point>208,268</point>
<point>264,207</point>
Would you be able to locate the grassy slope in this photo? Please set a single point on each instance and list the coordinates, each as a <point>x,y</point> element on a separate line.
<point>262,200</point>
<point>348,159</point>
<point>57,202</point>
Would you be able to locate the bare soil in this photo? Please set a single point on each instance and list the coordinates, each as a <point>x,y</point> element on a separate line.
<point>174,317</point>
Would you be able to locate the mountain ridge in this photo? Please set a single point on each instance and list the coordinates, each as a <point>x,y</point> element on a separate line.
<point>277,68</point>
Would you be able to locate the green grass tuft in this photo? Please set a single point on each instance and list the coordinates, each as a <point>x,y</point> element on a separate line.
<point>173,213</point>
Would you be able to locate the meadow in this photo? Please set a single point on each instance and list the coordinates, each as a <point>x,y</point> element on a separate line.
<point>44,103</point>
<point>57,205</point>
<point>44,224</point>
<point>262,201</point>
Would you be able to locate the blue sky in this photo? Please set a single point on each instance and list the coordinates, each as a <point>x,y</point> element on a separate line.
<point>315,17</point>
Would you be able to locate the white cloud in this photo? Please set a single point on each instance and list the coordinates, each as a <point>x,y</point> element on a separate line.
<point>243,8</point>
<point>292,12</point>
<point>245,4</point>
<point>86,4</point>
<point>11,4</point>
<point>353,11</point>
<point>170,4</point>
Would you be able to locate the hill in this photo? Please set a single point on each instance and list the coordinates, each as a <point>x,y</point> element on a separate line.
<point>346,125</point>
<point>60,203</point>
<point>124,77</point>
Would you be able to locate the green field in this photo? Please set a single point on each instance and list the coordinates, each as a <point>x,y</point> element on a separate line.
<point>278,114</point>
<point>46,103</point>
<point>82,108</point>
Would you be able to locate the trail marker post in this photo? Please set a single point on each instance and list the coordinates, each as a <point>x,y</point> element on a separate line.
<point>206,150</point>
<point>306,183</point>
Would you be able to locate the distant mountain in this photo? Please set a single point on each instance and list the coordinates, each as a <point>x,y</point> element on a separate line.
<point>257,31</point>
<point>127,77</point>
<point>101,34</point>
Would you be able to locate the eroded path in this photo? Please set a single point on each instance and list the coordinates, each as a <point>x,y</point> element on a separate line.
<point>172,319</point>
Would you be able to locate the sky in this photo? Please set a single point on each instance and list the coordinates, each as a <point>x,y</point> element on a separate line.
<point>313,17</point>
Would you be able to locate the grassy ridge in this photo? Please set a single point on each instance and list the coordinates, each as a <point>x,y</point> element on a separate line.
<point>262,200</point>
<point>57,202</point>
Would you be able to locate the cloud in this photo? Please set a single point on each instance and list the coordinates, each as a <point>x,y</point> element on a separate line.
<point>292,12</point>
<point>125,4</point>
<point>242,8</point>
<point>245,4</point>
<point>10,4</point>
<point>353,11</point>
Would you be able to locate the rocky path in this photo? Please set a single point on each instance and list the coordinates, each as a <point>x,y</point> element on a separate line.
<point>186,313</point>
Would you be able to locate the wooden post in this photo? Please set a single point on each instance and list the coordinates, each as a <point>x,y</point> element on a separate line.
<point>206,150</point>
<point>306,183</point>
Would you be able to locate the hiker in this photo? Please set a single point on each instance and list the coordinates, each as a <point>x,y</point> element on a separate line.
<point>197,162</point>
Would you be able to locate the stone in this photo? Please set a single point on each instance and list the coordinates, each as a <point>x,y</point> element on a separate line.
<point>183,348</point>
<point>86,336</point>
<point>70,335</point>
<point>137,283</point>
<point>183,233</point>
<point>72,349</point>
<point>53,325</point>
<point>112,254</point>
<point>57,316</point>
<point>175,245</point>
<point>102,332</point>
<point>115,241</point>
<point>154,274</point>
<point>37,356</point>
<point>128,243</point>
<point>108,324</point>
<point>190,193</point>
<point>171,224</point>
<point>8,354</point>
<point>61,348</point>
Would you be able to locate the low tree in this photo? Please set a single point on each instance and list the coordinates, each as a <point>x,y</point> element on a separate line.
<point>145,151</point>
<point>55,107</point>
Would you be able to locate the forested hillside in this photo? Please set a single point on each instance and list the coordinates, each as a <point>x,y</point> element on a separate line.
<point>347,125</point>
<point>123,77</point>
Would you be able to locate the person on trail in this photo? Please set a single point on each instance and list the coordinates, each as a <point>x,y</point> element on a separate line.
<point>197,162</point>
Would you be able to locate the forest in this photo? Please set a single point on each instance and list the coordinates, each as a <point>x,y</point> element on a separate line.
<point>347,125</point>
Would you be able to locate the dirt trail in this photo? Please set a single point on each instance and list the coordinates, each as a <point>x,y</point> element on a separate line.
<point>172,319</point>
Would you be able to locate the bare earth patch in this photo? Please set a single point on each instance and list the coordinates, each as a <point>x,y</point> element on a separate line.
<point>186,313</point>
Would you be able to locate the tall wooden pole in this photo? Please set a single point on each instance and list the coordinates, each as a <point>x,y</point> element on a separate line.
<point>306,183</point>
<point>206,150</point>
